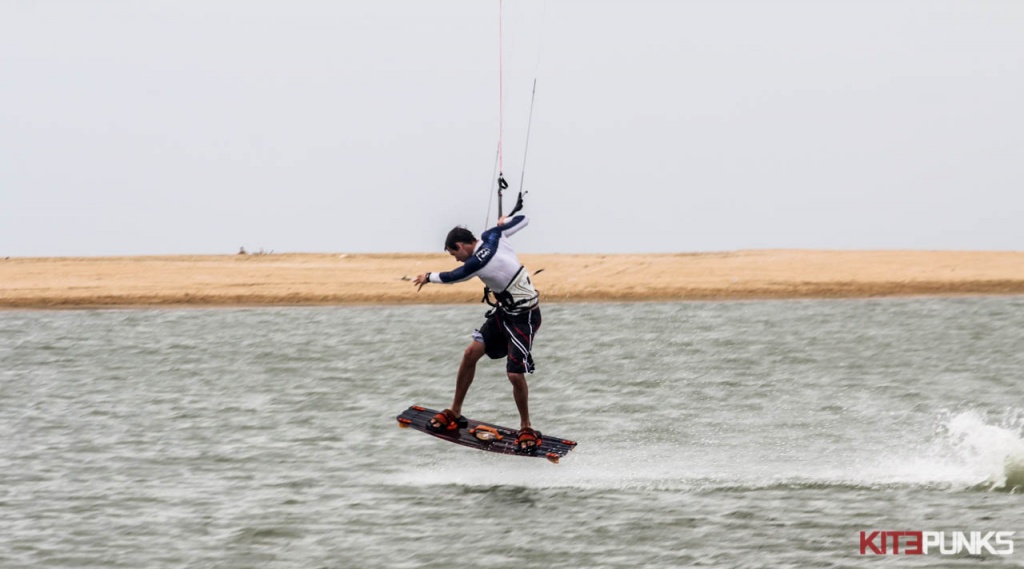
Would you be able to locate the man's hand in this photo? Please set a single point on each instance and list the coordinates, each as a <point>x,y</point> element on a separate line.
<point>420,280</point>
<point>501,220</point>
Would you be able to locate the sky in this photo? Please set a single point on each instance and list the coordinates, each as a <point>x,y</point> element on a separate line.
<point>199,127</point>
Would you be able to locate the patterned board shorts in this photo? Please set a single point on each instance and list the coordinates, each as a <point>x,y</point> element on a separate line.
<point>511,336</point>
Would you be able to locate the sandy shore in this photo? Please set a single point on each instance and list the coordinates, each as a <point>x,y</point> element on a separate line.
<point>319,279</point>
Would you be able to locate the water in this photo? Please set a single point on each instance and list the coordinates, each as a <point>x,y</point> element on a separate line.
<point>748,434</point>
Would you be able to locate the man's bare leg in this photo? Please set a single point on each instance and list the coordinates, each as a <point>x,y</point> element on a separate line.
<point>467,371</point>
<point>521,393</point>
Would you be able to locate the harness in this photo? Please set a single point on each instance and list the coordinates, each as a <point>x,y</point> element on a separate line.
<point>505,300</point>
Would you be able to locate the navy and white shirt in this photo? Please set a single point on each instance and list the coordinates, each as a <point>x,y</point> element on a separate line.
<point>496,264</point>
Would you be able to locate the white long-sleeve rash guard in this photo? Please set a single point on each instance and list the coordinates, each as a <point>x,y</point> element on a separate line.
<point>496,264</point>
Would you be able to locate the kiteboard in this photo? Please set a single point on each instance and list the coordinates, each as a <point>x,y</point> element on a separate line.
<point>485,436</point>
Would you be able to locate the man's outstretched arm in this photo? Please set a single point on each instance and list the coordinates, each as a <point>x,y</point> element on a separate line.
<point>467,271</point>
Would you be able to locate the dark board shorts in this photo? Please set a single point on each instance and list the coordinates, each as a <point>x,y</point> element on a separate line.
<point>510,336</point>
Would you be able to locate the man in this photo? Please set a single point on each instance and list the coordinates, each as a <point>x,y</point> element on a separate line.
<point>508,330</point>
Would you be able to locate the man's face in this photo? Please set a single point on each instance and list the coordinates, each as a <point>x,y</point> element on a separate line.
<point>461,252</point>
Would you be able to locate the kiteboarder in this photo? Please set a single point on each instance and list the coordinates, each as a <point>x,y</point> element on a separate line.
<point>508,329</point>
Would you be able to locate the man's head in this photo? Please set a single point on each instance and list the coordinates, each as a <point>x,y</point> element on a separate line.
<point>460,243</point>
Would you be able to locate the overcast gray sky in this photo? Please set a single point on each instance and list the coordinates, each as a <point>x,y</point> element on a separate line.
<point>171,126</point>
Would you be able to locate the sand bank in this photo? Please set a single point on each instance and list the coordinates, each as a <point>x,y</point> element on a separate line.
<point>324,279</point>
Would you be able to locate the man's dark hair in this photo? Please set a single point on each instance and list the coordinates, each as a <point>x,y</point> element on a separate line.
<point>458,235</point>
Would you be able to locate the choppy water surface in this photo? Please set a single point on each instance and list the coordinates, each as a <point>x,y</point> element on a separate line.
<point>751,434</point>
